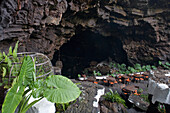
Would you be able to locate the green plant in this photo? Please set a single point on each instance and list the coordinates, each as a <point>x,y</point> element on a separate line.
<point>161,108</point>
<point>97,73</point>
<point>9,66</point>
<point>123,69</point>
<point>113,75</point>
<point>94,73</point>
<point>79,75</point>
<point>140,90</point>
<point>145,97</point>
<point>165,65</point>
<point>14,95</point>
<point>62,107</point>
<point>154,67</point>
<point>138,67</point>
<point>55,88</point>
<point>131,69</point>
<point>114,97</point>
<point>85,71</point>
<point>148,67</point>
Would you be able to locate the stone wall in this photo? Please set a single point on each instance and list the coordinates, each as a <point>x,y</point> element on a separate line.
<point>45,25</point>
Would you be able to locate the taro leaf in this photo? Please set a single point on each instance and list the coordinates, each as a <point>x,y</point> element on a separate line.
<point>13,98</point>
<point>62,89</point>
<point>26,72</point>
<point>14,95</point>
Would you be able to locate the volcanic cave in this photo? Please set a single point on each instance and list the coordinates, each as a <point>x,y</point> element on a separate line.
<point>87,46</point>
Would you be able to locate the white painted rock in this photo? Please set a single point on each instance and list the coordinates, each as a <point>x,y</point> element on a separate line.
<point>101,77</point>
<point>82,78</point>
<point>100,92</point>
<point>160,92</point>
<point>167,74</point>
<point>43,106</point>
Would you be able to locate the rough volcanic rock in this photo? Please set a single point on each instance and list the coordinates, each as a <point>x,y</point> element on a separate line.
<point>45,25</point>
<point>28,23</point>
<point>85,102</point>
<point>109,107</point>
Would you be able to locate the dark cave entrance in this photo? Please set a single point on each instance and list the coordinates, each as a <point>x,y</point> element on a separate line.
<point>87,46</point>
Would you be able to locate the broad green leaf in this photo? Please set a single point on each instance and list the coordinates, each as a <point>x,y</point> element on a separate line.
<point>12,99</point>
<point>62,89</point>
<point>14,81</point>
<point>26,72</point>
<point>14,95</point>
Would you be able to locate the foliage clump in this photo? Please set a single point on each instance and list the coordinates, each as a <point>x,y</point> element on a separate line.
<point>165,65</point>
<point>114,97</point>
<point>26,83</point>
<point>9,66</point>
<point>123,69</point>
<point>55,88</point>
<point>145,97</point>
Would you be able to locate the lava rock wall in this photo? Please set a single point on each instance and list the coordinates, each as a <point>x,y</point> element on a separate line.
<point>45,25</point>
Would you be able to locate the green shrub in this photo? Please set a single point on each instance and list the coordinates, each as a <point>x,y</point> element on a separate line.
<point>165,65</point>
<point>114,97</point>
<point>9,66</point>
<point>145,97</point>
<point>56,88</point>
